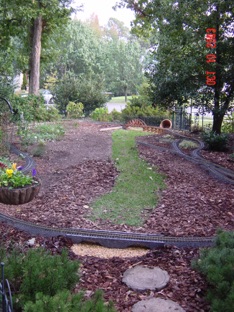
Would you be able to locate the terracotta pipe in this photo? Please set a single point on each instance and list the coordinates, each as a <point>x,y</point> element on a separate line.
<point>166,123</point>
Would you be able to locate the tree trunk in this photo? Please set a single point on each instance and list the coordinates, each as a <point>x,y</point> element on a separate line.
<point>34,66</point>
<point>217,122</point>
<point>125,93</point>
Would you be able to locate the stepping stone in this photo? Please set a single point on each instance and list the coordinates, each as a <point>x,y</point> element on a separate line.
<point>157,305</point>
<point>141,278</point>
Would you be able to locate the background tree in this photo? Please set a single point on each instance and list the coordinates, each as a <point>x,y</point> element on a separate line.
<point>178,68</point>
<point>31,22</point>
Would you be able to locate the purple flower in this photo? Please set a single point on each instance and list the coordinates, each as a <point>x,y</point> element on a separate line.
<point>19,168</point>
<point>34,172</point>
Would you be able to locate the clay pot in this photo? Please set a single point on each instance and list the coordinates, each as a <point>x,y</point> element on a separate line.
<point>166,123</point>
<point>19,196</point>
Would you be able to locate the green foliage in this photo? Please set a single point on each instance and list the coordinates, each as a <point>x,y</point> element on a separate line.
<point>87,90</point>
<point>217,265</point>
<point>215,142</point>
<point>67,302</point>
<point>38,271</point>
<point>228,124</point>
<point>100,114</point>
<point>177,66</point>
<point>42,282</point>
<point>14,178</point>
<point>40,133</point>
<point>151,115</point>
<point>114,115</point>
<point>32,108</point>
<point>75,110</point>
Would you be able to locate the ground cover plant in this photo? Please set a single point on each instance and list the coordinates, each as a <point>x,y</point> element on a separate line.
<point>39,133</point>
<point>136,187</point>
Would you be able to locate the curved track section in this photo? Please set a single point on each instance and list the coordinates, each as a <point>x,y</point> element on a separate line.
<point>29,162</point>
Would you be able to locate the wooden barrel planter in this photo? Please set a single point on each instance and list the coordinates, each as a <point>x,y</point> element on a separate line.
<point>19,196</point>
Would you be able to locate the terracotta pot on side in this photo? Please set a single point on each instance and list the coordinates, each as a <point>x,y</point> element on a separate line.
<point>166,123</point>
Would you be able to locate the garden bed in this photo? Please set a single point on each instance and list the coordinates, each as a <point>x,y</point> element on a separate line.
<point>78,168</point>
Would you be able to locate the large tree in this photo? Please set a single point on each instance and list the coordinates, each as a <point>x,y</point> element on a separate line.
<point>180,68</point>
<point>31,22</point>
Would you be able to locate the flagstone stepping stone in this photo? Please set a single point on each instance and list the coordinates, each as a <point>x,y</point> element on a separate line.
<point>157,305</point>
<point>141,278</point>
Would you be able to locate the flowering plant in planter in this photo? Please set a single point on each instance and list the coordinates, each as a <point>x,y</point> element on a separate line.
<point>15,186</point>
<point>13,177</point>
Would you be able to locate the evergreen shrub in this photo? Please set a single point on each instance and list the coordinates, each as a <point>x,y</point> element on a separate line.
<point>217,264</point>
<point>214,141</point>
<point>66,302</point>
<point>151,115</point>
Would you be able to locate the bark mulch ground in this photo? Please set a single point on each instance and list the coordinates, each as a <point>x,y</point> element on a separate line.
<point>77,169</point>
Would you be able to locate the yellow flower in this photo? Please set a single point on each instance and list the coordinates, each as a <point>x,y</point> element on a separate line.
<point>9,172</point>
<point>14,166</point>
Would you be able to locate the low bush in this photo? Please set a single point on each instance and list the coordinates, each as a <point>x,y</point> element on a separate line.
<point>75,110</point>
<point>39,271</point>
<point>217,264</point>
<point>214,141</point>
<point>42,282</point>
<point>67,302</point>
<point>151,115</point>
<point>32,108</point>
<point>100,114</point>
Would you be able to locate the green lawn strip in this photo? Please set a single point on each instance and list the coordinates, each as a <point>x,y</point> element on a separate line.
<point>136,187</point>
<point>119,99</point>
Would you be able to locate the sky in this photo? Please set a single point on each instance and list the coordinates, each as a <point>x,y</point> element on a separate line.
<point>103,8</point>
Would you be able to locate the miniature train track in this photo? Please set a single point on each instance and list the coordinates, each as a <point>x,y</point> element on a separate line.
<point>117,239</point>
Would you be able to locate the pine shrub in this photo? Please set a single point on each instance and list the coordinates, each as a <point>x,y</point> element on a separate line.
<point>217,264</point>
<point>67,302</point>
<point>39,271</point>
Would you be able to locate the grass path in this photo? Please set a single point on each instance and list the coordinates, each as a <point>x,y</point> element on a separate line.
<point>136,187</point>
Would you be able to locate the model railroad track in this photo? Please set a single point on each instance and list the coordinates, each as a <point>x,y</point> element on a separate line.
<point>217,171</point>
<point>113,239</point>
<point>110,239</point>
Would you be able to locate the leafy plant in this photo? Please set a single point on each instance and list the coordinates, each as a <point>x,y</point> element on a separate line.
<point>75,110</point>
<point>13,178</point>
<point>214,141</point>
<point>100,114</point>
<point>217,265</point>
